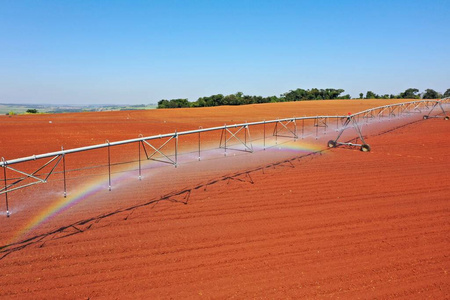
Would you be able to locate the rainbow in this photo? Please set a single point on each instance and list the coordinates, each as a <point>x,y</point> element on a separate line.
<point>288,144</point>
<point>91,189</point>
<point>60,206</point>
<point>82,193</point>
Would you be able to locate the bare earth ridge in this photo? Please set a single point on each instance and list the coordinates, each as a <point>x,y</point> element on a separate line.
<point>335,223</point>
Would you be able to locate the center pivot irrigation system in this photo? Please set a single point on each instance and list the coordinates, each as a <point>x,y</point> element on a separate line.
<point>287,127</point>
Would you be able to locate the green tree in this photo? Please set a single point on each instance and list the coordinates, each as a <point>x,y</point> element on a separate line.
<point>312,94</point>
<point>247,99</point>
<point>199,103</point>
<point>410,93</point>
<point>179,103</point>
<point>346,96</point>
<point>272,99</point>
<point>371,95</point>
<point>234,99</point>
<point>32,111</point>
<point>329,94</point>
<point>163,103</point>
<point>447,93</point>
<point>213,100</point>
<point>431,94</point>
<point>174,103</point>
<point>361,95</point>
<point>294,95</point>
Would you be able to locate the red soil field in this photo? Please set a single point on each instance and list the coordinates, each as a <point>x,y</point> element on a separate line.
<point>335,223</point>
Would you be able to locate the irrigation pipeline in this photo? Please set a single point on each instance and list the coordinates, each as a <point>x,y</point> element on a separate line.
<point>405,106</point>
<point>287,125</point>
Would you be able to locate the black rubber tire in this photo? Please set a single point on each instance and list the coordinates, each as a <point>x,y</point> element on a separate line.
<point>331,144</point>
<point>425,117</point>
<point>365,148</point>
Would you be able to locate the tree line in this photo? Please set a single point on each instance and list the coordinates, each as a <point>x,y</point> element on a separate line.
<point>410,93</point>
<point>295,95</point>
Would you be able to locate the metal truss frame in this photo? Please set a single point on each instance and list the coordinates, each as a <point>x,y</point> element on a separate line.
<point>34,176</point>
<point>283,126</point>
<point>224,139</point>
<point>435,105</point>
<point>320,122</point>
<point>350,122</point>
<point>158,150</point>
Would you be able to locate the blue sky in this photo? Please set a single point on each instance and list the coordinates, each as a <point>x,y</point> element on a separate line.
<point>139,52</point>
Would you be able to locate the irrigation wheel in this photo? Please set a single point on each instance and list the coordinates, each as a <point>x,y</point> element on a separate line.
<point>331,144</point>
<point>446,118</point>
<point>365,148</point>
<point>425,117</point>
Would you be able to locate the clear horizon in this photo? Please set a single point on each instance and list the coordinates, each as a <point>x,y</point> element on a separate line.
<point>121,52</point>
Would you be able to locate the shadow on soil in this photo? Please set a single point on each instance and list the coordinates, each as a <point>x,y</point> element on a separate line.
<point>181,196</point>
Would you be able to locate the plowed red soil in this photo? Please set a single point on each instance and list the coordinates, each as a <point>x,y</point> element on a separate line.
<point>335,223</point>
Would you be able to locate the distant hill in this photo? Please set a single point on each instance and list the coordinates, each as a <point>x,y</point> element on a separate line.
<point>17,108</point>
